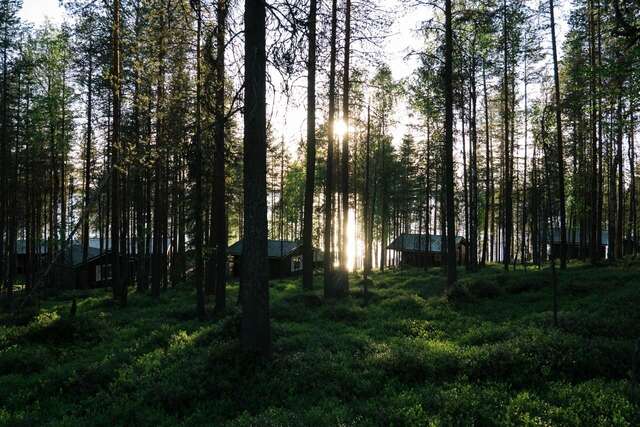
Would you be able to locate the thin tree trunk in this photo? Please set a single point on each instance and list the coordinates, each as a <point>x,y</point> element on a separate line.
<point>344,279</point>
<point>448,142</point>
<point>485,239</point>
<point>558,109</point>
<point>310,178</point>
<point>329,186</point>
<point>594,247</point>
<point>219,208</point>
<point>117,284</point>
<point>197,197</point>
<point>508,191</point>
<point>368,229</point>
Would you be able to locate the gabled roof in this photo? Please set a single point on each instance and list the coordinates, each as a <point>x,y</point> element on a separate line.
<point>420,243</point>
<point>73,255</point>
<point>573,237</point>
<point>275,248</point>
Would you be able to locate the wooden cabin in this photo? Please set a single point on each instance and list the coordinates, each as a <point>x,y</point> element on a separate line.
<point>284,257</point>
<point>576,249</point>
<point>421,250</point>
<point>69,269</point>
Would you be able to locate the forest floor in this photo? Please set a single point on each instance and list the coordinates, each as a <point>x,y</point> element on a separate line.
<point>488,354</point>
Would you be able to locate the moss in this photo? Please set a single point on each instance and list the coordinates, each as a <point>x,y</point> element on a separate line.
<point>485,354</point>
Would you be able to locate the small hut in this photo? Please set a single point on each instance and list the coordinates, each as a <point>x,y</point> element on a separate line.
<point>69,269</point>
<point>578,244</point>
<point>284,257</point>
<point>421,250</point>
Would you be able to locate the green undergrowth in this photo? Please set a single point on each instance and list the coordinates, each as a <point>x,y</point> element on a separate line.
<point>409,353</point>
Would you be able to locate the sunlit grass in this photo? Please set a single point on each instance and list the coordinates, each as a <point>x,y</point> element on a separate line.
<point>410,356</point>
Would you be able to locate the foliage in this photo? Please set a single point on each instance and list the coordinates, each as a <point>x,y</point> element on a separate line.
<point>408,357</point>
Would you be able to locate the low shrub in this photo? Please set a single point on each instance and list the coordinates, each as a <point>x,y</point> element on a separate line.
<point>484,288</point>
<point>458,293</point>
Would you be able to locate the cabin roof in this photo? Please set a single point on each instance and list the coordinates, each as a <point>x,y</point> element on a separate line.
<point>94,243</point>
<point>275,248</point>
<point>420,243</point>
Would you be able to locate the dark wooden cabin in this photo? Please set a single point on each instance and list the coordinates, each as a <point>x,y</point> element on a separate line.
<point>578,244</point>
<point>421,250</point>
<point>68,270</point>
<point>284,257</point>
<point>576,249</point>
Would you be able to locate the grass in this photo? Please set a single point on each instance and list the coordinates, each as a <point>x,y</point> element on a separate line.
<point>485,354</point>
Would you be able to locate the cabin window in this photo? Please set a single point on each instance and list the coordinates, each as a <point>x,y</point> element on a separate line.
<point>296,263</point>
<point>103,272</point>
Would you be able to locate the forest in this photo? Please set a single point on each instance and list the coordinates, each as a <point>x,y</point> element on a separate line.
<point>320,212</point>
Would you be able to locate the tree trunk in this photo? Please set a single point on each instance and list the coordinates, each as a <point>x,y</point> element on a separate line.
<point>344,279</point>
<point>448,142</point>
<point>368,229</point>
<point>310,178</point>
<point>594,247</point>
<point>558,109</point>
<point>197,196</point>
<point>508,191</point>
<point>329,284</point>
<point>485,238</point>
<point>255,324</point>
<point>219,208</point>
<point>116,281</point>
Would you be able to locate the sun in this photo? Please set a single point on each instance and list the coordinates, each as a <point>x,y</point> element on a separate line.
<point>340,128</point>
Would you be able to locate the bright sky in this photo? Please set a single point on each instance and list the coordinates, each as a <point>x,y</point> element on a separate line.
<point>37,11</point>
<point>402,39</point>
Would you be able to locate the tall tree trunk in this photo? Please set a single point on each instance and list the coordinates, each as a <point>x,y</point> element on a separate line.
<point>160,195</point>
<point>508,191</point>
<point>255,325</point>
<point>448,142</point>
<point>346,85</point>
<point>619,162</point>
<point>485,238</point>
<point>465,169</point>
<point>473,214</point>
<point>4,149</point>
<point>523,242</point>
<point>197,196</point>
<point>594,246</point>
<point>87,168</point>
<point>310,178</point>
<point>219,208</point>
<point>560,145</point>
<point>329,284</point>
<point>633,212</point>
<point>117,283</point>
<point>613,191</point>
<point>368,227</point>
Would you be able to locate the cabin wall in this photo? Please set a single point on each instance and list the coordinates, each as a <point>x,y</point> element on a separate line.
<point>574,251</point>
<point>430,259</point>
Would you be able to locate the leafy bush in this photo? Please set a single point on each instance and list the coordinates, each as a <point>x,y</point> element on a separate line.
<point>459,293</point>
<point>484,288</point>
<point>412,358</point>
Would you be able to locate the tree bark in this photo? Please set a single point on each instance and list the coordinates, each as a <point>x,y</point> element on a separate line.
<point>346,84</point>
<point>118,286</point>
<point>219,209</point>
<point>329,284</point>
<point>560,146</point>
<point>197,197</point>
<point>448,141</point>
<point>255,324</point>
<point>310,178</point>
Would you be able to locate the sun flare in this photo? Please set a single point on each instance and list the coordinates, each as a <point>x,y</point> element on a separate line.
<point>340,128</point>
